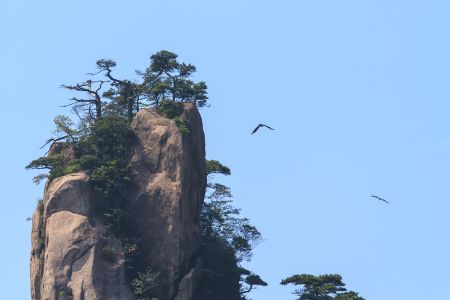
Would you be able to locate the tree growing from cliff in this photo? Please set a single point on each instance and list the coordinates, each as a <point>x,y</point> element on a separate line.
<point>125,96</point>
<point>168,79</point>
<point>322,287</point>
<point>164,81</point>
<point>227,241</point>
<point>100,144</point>
<point>90,106</point>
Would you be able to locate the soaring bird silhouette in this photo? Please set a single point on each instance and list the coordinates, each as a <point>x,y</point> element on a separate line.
<point>259,126</point>
<point>379,198</point>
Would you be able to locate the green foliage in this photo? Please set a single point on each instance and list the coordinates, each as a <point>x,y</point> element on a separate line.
<point>65,294</point>
<point>215,167</point>
<point>115,101</point>
<point>170,109</point>
<point>132,256</point>
<point>249,281</point>
<point>130,248</point>
<point>38,178</point>
<point>56,163</point>
<point>168,79</point>
<point>41,232</point>
<point>65,128</point>
<point>40,206</point>
<point>221,275</point>
<point>108,253</point>
<point>253,279</point>
<point>110,139</point>
<point>105,155</point>
<point>163,61</point>
<point>143,285</point>
<point>85,162</point>
<point>105,63</point>
<point>219,216</point>
<point>181,124</point>
<point>110,180</point>
<point>48,162</point>
<point>227,241</point>
<point>322,287</point>
<point>101,143</point>
<point>61,162</point>
<point>348,296</point>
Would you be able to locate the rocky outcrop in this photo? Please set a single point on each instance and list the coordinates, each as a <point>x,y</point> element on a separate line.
<point>169,170</point>
<point>75,256</point>
<point>69,241</point>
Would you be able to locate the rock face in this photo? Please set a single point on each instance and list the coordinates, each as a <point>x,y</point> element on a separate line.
<point>68,242</point>
<point>170,176</point>
<point>75,256</point>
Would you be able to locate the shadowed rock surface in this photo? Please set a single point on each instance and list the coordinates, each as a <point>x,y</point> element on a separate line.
<point>69,238</point>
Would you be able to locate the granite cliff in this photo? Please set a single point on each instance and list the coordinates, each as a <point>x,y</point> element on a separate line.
<point>75,255</point>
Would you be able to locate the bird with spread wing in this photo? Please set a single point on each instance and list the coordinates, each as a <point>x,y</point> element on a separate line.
<point>261,125</point>
<point>379,198</point>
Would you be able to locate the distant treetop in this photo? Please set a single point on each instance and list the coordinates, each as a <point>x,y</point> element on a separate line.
<point>322,287</point>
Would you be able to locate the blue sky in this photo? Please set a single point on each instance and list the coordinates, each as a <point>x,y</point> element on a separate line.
<point>358,92</point>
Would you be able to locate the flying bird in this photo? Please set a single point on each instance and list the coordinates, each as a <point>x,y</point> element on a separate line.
<point>259,126</point>
<point>379,198</point>
<point>28,219</point>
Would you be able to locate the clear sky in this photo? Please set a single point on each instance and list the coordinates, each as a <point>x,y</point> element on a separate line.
<point>358,92</point>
